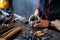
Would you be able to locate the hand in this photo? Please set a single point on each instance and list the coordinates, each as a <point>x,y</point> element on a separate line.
<point>41,23</point>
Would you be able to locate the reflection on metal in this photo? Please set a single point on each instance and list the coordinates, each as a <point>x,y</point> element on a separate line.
<point>15,15</point>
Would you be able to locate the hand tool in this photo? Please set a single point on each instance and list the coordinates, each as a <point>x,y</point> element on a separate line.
<point>10,34</point>
<point>3,30</point>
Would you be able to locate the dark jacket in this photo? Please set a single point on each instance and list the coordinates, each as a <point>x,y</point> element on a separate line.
<point>54,9</point>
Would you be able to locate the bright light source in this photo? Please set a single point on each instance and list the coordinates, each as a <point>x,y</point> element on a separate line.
<point>1,4</point>
<point>4,4</point>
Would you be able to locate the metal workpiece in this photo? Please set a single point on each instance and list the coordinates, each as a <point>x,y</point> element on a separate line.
<point>31,23</point>
<point>7,18</point>
<point>33,17</point>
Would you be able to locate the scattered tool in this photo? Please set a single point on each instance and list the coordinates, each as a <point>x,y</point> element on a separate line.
<point>10,33</point>
<point>5,29</point>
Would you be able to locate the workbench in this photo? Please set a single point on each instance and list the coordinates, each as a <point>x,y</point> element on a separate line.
<point>54,33</point>
<point>19,36</point>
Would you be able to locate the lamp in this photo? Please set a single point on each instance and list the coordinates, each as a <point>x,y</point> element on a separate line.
<point>4,4</point>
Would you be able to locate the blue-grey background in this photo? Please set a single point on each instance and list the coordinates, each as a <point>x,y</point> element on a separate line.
<point>24,7</point>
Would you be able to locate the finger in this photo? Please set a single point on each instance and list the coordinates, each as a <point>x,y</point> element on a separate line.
<point>37,16</point>
<point>37,25</point>
<point>37,21</point>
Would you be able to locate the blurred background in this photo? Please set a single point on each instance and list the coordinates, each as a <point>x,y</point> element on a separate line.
<point>24,7</point>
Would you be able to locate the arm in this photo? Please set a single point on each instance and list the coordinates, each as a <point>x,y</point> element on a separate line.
<point>46,23</point>
<point>37,9</point>
<point>56,24</point>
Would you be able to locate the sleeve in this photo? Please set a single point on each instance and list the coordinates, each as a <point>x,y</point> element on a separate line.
<point>56,24</point>
<point>38,6</point>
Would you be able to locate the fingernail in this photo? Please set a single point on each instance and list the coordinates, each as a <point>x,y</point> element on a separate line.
<point>35,25</point>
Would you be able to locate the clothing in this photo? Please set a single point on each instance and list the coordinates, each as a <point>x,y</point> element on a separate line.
<point>53,8</point>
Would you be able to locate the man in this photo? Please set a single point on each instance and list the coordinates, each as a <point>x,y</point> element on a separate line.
<point>49,12</point>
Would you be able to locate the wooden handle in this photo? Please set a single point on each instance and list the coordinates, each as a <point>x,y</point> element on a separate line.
<point>10,24</point>
<point>23,18</point>
<point>2,39</point>
<point>7,32</point>
<point>13,21</point>
<point>13,32</point>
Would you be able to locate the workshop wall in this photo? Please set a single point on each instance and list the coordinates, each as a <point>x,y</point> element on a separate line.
<point>24,7</point>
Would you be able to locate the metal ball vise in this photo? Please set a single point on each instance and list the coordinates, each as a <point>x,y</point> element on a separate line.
<point>32,20</point>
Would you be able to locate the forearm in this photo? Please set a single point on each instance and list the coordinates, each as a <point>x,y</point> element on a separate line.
<point>37,11</point>
<point>56,24</point>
